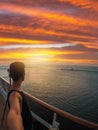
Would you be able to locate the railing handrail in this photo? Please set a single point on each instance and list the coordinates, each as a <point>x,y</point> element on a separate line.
<point>62,113</point>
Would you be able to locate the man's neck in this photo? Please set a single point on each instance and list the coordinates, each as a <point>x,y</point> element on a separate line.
<point>16,85</point>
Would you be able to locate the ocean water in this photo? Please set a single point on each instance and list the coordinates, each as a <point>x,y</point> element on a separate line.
<point>71,88</point>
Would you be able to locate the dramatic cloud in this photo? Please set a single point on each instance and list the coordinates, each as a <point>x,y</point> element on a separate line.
<point>61,30</point>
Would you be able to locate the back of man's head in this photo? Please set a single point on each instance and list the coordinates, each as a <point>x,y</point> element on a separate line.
<point>16,70</point>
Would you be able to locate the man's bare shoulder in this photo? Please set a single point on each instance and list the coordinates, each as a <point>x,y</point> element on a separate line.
<point>15,99</point>
<point>15,96</point>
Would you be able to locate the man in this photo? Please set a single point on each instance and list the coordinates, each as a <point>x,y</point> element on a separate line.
<point>19,116</point>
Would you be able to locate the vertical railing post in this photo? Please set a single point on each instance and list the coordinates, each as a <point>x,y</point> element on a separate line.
<point>55,124</point>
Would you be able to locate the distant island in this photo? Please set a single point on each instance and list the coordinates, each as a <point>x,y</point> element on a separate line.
<point>75,69</point>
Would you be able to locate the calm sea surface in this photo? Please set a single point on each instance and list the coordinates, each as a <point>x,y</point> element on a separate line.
<point>71,88</point>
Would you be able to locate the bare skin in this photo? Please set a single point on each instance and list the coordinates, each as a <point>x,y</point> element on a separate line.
<point>14,119</point>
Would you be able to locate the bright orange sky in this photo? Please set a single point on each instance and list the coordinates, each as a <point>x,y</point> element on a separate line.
<point>54,31</point>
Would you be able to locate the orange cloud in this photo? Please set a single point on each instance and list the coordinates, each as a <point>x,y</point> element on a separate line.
<point>21,41</point>
<point>60,22</point>
<point>50,25</point>
<point>49,15</point>
<point>88,4</point>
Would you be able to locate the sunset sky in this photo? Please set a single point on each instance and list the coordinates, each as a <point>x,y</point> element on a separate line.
<point>49,31</point>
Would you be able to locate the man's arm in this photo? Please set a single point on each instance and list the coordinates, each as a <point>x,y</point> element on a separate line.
<point>14,119</point>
